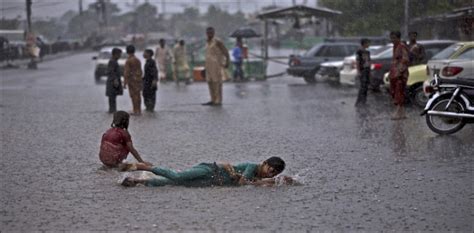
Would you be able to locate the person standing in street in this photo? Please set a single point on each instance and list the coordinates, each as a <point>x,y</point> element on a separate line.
<point>217,58</point>
<point>417,51</point>
<point>237,55</point>
<point>150,81</point>
<point>398,74</point>
<point>181,67</point>
<point>133,79</point>
<point>113,86</point>
<point>363,69</point>
<point>163,56</point>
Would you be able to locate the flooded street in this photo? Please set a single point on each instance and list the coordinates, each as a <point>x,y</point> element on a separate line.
<point>360,170</point>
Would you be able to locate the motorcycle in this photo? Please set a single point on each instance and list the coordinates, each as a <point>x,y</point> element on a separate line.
<point>451,106</point>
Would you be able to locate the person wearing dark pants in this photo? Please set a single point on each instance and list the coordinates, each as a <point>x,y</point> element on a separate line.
<point>237,55</point>
<point>150,81</point>
<point>363,68</point>
<point>113,86</point>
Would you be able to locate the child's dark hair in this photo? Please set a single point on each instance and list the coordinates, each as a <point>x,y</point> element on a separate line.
<point>116,51</point>
<point>364,41</point>
<point>130,49</point>
<point>149,51</point>
<point>121,119</point>
<point>276,163</point>
<point>397,34</point>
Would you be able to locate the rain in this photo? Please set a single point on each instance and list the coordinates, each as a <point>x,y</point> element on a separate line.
<point>236,115</point>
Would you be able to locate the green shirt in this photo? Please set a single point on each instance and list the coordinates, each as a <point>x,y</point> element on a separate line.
<point>248,170</point>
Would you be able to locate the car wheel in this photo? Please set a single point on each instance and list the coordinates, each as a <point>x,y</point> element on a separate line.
<point>97,77</point>
<point>418,97</point>
<point>310,78</point>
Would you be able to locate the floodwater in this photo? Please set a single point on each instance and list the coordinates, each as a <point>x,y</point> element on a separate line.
<point>361,171</point>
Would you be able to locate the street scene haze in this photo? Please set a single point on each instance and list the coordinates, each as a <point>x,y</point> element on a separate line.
<point>236,116</point>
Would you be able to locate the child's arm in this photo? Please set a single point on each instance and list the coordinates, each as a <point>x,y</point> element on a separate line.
<point>135,153</point>
<point>273,181</point>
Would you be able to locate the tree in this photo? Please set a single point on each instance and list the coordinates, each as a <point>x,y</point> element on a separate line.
<point>375,17</point>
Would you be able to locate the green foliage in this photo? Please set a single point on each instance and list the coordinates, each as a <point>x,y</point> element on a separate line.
<point>374,17</point>
<point>9,24</point>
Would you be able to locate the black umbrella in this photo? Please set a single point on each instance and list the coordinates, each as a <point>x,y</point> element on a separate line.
<point>244,33</point>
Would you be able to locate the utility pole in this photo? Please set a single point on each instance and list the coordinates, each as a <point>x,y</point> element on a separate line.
<point>163,7</point>
<point>405,26</point>
<point>80,7</point>
<point>28,14</point>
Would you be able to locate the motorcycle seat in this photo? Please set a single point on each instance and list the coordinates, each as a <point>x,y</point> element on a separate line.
<point>459,81</point>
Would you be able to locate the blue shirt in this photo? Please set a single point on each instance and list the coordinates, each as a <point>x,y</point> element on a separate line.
<point>237,54</point>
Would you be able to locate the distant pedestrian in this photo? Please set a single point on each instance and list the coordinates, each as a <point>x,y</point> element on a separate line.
<point>116,142</point>
<point>238,58</point>
<point>363,69</point>
<point>217,58</point>
<point>150,81</point>
<point>417,51</point>
<point>181,66</point>
<point>398,74</point>
<point>113,86</point>
<point>133,79</point>
<point>163,57</point>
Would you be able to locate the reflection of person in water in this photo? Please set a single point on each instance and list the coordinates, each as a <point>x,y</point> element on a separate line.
<point>213,174</point>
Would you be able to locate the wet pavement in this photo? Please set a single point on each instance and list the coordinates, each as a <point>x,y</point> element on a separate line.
<point>360,170</point>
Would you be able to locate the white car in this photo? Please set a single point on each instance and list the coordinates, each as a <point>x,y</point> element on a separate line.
<point>348,72</point>
<point>453,69</point>
<point>102,60</point>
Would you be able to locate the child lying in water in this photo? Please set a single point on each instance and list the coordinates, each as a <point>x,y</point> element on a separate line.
<point>212,174</point>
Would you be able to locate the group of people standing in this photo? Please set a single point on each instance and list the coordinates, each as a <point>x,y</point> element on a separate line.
<point>143,83</point>
<point>134,79</point>
<point>216,61</point>
<point>404,55</point>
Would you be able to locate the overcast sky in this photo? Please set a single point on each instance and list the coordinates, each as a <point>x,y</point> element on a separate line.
<point>54,8</point>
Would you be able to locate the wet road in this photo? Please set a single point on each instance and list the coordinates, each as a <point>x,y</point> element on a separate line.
<point>361,171</point>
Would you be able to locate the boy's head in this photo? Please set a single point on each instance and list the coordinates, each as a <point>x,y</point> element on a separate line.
<point>148,53</point>
<point>364,42</point>
<point>272,167</point>
<point>413,35</point>
<point>162,42</point>
<point>116,53</point>
<point>395,36</point>
<point>130,49</point>
<point>121,119</point>
<point>181,43</point>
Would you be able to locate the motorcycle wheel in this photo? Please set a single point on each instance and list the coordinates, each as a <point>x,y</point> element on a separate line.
<point>442,124</point>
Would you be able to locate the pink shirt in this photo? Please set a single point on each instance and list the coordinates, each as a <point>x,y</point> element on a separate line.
<point>113,147</point>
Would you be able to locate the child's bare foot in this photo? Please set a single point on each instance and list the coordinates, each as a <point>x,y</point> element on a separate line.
<point>127,167</point>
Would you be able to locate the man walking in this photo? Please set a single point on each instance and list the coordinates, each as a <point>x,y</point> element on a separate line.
<point>417,51</point>
<point>163,56</point>
<point>398,74</point>
<point>216,55</point>
<point>237,55</point>
<point>150,81</point>
<point>363,68</point>
<point>133,79</point>
<point>113,86</point>
<point>181,67</point>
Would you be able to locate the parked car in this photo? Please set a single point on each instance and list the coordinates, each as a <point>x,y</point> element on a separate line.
<point>102,60</point>
<point>461,50</point>
<point>307,66</point>
<point>331,70</point>
<point>381,64</point>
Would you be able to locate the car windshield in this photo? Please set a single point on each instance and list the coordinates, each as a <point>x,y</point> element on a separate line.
<point>313,50</point>
<point>108,55</point>
<point>380,50</point>
<point>447,52</point>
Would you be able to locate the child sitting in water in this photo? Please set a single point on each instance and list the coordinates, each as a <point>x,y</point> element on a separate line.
<point>117,142</point>
<point>212,174</point>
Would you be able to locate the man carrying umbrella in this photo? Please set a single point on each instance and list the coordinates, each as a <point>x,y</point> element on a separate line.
<point>217,58</point>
